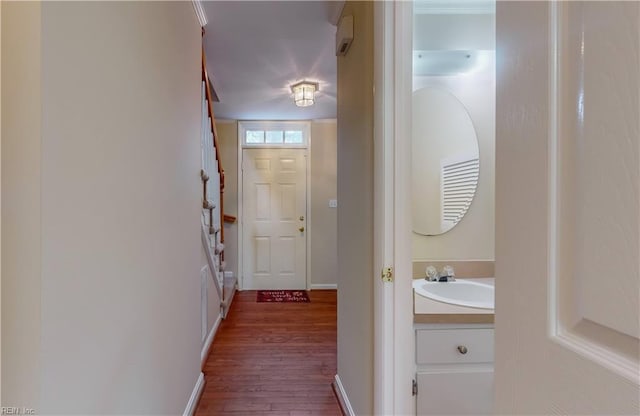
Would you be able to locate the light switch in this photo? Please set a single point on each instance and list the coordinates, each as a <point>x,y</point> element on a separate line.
<point>333,203</point>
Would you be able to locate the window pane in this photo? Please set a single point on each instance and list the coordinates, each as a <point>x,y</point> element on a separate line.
<point>274,136</point>
<point>294,136</point>
<point>255,136</point>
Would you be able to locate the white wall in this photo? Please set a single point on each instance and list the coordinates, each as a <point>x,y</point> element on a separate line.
<point>21,204</point>
<point>453,31</point>
<point>473,237</point>
<point>323,253</point>
<point>355,211</point>
<point>120,207</point>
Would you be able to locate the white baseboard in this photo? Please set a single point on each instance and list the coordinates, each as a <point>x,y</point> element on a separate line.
<point>195,396</point>
<point>343,396</point>
<point>207,344</point>
<point>325,286</point>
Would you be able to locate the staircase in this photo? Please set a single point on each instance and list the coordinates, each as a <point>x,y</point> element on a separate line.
<point>213,217</point>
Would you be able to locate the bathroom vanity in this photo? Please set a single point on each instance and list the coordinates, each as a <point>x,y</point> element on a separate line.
<point>454,358</point>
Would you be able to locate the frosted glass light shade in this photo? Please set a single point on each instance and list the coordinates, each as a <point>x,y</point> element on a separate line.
<point>304,93</point>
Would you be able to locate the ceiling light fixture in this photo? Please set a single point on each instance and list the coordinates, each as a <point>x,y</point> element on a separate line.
<point>304,93</point>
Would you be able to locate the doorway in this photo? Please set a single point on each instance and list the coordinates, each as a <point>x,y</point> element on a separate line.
<point>273,184</point>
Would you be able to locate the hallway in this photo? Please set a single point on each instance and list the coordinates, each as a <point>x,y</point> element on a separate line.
<point>273,359</point>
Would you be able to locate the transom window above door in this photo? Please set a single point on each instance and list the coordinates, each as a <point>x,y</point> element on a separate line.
<point>274,133</point>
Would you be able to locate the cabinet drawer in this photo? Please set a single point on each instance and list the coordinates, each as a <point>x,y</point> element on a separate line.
<point>447,346</point>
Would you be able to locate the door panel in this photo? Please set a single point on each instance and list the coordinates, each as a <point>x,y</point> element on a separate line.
<point>449,392</point>
<point>567,208</point>
<point>262,255</point>
<point>287,263</point>
<point>287,202</point>
<point>274,212</point>
<point>262,201</point>
<point>595,269</point>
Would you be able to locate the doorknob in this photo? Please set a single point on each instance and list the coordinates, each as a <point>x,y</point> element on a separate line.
<point>301,229</point>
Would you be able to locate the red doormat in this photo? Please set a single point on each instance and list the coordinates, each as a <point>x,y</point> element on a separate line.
<point>283,296</point>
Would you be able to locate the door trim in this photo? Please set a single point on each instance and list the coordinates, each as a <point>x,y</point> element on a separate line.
<point>394,346</point>
<point>307,214</point>
<point>383,315</point>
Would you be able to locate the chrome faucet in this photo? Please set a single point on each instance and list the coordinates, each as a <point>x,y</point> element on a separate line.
<point>432,274</point>
<point>446,275</point>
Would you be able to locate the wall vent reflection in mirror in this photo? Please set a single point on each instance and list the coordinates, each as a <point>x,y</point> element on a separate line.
<point>459,180</point>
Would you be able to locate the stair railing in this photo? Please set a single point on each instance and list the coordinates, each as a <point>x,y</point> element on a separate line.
<point>212,176</point>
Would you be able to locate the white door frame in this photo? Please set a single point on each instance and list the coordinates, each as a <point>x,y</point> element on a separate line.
<point>307,213</point>
<point>394,349</point>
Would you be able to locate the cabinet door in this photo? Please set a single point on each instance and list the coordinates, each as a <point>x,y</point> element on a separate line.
<point>455,393</point>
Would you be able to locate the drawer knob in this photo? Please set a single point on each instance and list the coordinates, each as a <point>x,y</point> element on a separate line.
<point>462,349</point>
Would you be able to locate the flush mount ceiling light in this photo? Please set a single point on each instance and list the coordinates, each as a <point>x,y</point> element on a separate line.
<point>304,93</point>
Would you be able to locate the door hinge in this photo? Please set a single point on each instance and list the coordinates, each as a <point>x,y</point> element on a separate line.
<point>414,388</point>
<point>387,274</point>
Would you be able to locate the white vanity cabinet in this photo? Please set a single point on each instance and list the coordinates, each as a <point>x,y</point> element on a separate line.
<point>454,369</point>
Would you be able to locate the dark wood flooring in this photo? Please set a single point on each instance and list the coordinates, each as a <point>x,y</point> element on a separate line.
<point>273,359</point>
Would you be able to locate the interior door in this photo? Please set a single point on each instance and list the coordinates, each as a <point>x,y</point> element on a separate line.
<point>567,208</point>
<point>274,218</point>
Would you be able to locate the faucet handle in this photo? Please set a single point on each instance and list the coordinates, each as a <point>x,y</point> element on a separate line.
<point>432,273</point>
<point>447,271</point>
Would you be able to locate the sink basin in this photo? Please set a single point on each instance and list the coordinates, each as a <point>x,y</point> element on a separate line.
<point>460,292</point>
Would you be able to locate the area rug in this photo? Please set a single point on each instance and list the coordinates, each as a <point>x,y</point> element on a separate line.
<point>282,296</point>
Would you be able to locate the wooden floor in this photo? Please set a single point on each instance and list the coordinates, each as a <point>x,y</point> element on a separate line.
<point>273,359</point>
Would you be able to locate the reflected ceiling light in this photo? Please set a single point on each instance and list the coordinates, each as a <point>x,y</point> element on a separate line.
<point>304,93</point>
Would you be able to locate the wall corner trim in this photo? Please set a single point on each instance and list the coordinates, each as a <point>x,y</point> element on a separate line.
<point>202,16</point>
<point>341,395</point>
<point>195,396</point>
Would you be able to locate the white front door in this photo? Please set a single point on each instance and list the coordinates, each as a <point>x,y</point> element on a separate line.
<point>567,208</point>
<point>274,218</point>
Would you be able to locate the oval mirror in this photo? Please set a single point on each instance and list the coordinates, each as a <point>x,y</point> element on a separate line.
<point>445,161</point>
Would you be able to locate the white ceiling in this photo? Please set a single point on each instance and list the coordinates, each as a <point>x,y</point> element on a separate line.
<point>257,49</point>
